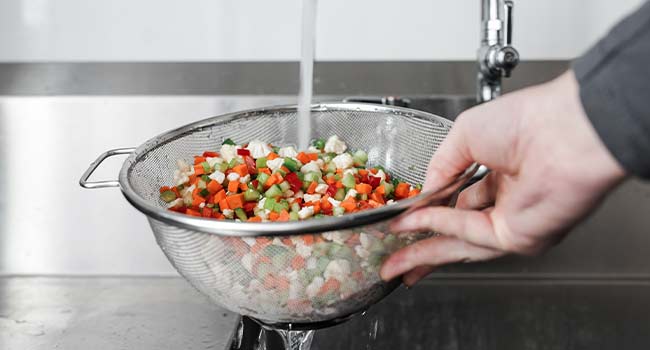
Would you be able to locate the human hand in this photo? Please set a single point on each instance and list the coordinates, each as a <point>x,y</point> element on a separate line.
<point>549,169</point>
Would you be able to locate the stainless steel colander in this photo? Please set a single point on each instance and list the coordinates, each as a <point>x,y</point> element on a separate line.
<point>282,272</point>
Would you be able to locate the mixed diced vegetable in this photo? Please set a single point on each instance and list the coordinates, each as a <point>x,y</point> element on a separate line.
<point>259,182</point>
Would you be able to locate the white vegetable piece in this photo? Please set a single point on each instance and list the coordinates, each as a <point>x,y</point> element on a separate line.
<point>351,194</point>
<point>260,204</point>
<point>228,213</point>
<point>306,212</point>
<point>351,171</point>
<point>258,149</point>
<point>314,287</point>
<point>245,179</point>
<point>335,145</point>
<point>228,152</point>
<point>380,174</point>
<point>312,149</point>
<point>247,262</point>
<point>311,197</point>
<point>233,177</point>
<point>361,252</point>
<point>321,188</point>
<point>334,202</point>
<point>182,165</point>
<point>175,203</point>
<point>343,161</point>
<point>217,176</point>
<point>249,240</point>
<point>338,269</point>
<point>303,250</point>
<point>309,167</point>
<point>214,160</point>
<point>287,152</point>
<point>275,164</point>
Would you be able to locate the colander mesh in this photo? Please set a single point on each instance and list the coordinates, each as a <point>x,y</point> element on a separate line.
<point>276,280</point>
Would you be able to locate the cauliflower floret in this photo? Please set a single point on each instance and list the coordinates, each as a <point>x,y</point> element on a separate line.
<point>289,152</point>
<point>258,149</point>
<point>351,171</point>
<point>175,203</point>
<point>321,188</point>
<point>334,202</point>
<point>343,161</point>
<point>338,269</point>
<point>229,213</point>
<point>351,194</point>
<point>311,198</point>
<point>309,167</point>
<point>228,152</point>
<point>275,164</point>
<point>314,287</point>
<point>249,240</point>
<point>390,201</point>
<point>214,160</point>
<point>312,263</point>
<point>303,250</point>
<point>182,165</point>
<point>233,177</point>
<point>335,145</point>
<point>217,176</point>
<point>312,149</point>
<point>380,174</point>
<point>306,212</point>
<point>180,177</point>
<point>361,252</point>
<point>245,179</point>
<point>260,204</point>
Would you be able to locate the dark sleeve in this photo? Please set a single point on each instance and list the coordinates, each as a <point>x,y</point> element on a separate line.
<point>614,78</point>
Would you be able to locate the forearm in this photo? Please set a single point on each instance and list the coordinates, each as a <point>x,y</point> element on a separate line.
<point>614,78</point>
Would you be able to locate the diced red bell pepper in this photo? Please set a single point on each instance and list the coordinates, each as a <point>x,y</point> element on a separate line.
<point>255,183</point>
<point>331,190</point>
<point>210,154</point>
<point>364,178</point>
<point>206,212</point>
<point>250,164</point>
<point>374,181</point>
<point>294,182</point>
<point>249,207</point>
<point>243,152</point>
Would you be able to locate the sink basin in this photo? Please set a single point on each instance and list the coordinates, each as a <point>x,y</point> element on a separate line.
<point>448,106</point>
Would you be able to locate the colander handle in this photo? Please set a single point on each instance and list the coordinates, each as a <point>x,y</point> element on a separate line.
<point>93,166</point>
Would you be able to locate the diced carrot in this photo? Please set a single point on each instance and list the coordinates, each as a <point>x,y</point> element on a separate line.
<point>273,216</point>
<point>255,248</point>
<point>316,207</point>
<point>198,160</point>
<point>269,281</point>
<point>233,186</point>
<point>308,239</point>
<point>218,215</point>
<point>354,239</point>
<point>192,212</point>
<point>325,204</point>
<point>330,180</point>
<point>330,285</point>
<point>297,200</point>
<point>263,240</point>
<point>273,179</point>
<point>272,156</point>
<point>175,190</point>
<point>312,156</point>
<point>312,187</point>
<point>214,187</point>
<point>287,241</point>
<point>235,200</point>
<point>239,246</point>
<point>414,192</point>
<point>282,283</point>
<point>374,204</point>
<point>255,219</point>
<point>210,154</point>
<point>223,204</point>
<point>221,195</point>
<point>284,215</point>
<point>402,190</point>
<point>243,186</point>
<point>298,262</point>
<point>358,275</point>
<point>377,198</point>
<point>264,259</point>
<point>198,170</point>
<point>380,190</point>
<point>193,179</point>
<point>241,169</point>
<point>303,158</point>
<point>285,169</point>
<point>339,184</point>
<point>349,205</point>
<point>206,212</point>
<point>197,200</point>
<point>363,188</point>
<point>363,172</point>
<point>164,188</point>
<point>267,171</point>
<point>374,170</point>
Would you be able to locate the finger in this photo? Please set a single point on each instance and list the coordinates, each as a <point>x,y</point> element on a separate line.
<point>473,226</point>
<point>412,277</point>
<point>435,251</point>
<point>479,195</point>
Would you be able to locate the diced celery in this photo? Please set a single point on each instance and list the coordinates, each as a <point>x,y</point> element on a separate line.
<point>280,206</point>
<point>348,181</point>
<point>168,196</point>
<point>222,167</point>
<point>327,157</point>
<point>295,207</point>
<point>205,178</point>
<point>319,143</point>
<point>241,214</point>
<point>228,142</point>
<point>201,184</point>
<point>418,186</point>
<point>301,176</point>
<point>281,172</point>
<point>234,162</point>
<point>262,178</point>
<point>260,162</point>
<point>360,158</point>
<point>338,211</point>
<point>291,164</point>
<point>180,187</point>
<point>293,216</point>
<point>312,176</point>
<point>275,149</point>
<point>251,195</point>
<point>210,205</point>
<point>270,203</point>
<point>284,186</point>
<point>337,177</point>
<point>363,197</point>
<point>273,191</point>
<point>340,194</point>
<point>206,167</point>
<point>388,187</point>
<point>331,167</point>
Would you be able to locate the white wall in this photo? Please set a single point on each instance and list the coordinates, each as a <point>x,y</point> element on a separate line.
<point>268,30</point>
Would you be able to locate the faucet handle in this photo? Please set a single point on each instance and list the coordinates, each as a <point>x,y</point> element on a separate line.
<point>507,59</point>
<point>507,25</point>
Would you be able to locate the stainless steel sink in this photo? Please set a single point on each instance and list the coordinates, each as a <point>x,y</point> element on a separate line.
<point>448,106</point>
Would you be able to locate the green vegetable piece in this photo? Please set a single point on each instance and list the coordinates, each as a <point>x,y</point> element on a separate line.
<point>338,211</point>
<point>275,149</point>
<point>340,194</point>
<point>418,186</point>
<point>262,178</point>
<point>234,162</point>
<point>291,164</point>
<point>331,167</point>
<point>284,186</point>
<point>222,167</point>
<point>168,196</point>
<point>319,143</point>
<point>363,197</point>
<point>273,191</point>
<point>201,184</point>
<point>293,216</point>
<point>210,205</point>
<point>204,193</point>
<point>322,263</point>
<point>379,167</point>
<point>388,187</point>
<point>280,206</point>
<point>301,176</point>
<point>360,158</point>
<point>313,176</point>
<point>180,187</point>
<point>270,203</point>
<point>205,178</point>
<point>295,207</point>
<point>241,214</point>
<point>260,162</point>
<point>348,181</point>
<point>251,195</point>
<point>206,167</point>
<point>228,142</point>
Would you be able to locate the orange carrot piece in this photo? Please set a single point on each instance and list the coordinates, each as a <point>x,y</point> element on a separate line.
<point>312,156</point>
<point>414,192</point>
<point>243,186</point>
<point>273,216</point>
<point>255,219</point>
<point>267,171</point>
<point>363,188</point>
<point>380,190</point>
<point>192,212</point>
<point>303,158</point>
<point>377,197</point>
<point>198,170</point>
<point>164,188</point>
<point>330,285</point>
<point>241,169</point>
<point>214,187</point>
<point>363,172</point>
<point>223,204</point>
<point>308,239</point>
<point>233,186</point>
<point>312,187</point>
<point>236,201</point>
<point>284,215</point>
<point>298,262</point>
<point>272,156</point>
<point>198,160</point>
<point>349,205</point>
<point>402,190</point>
<point>221,195</point>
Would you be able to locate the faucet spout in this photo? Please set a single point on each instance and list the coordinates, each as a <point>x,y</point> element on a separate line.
<point>496,55</point>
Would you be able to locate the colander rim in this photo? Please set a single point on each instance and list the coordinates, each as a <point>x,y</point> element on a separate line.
<point>241,229</point>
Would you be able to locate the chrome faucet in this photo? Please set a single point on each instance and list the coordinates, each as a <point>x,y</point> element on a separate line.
<point>496,57</point>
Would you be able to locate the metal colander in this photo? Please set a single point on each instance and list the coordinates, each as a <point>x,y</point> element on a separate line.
<point>282,272</point>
